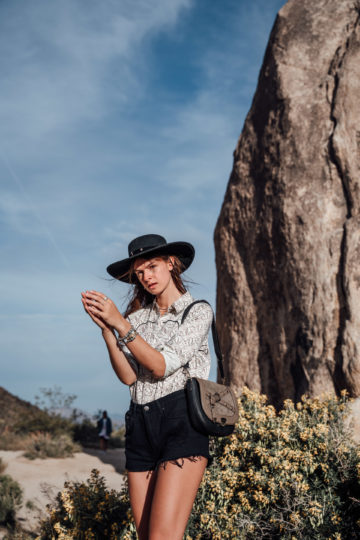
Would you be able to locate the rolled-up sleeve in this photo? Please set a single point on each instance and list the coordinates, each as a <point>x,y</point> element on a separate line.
<point>188,340</point>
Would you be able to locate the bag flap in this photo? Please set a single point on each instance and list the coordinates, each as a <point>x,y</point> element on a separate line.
<point>219,402</point>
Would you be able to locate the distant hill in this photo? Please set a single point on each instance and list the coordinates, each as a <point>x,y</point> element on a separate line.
<point>17,415</point>
<point>13,409</point>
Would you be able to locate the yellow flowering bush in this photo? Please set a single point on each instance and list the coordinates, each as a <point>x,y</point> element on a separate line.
<point>88,511</point>
<point>291,474</point>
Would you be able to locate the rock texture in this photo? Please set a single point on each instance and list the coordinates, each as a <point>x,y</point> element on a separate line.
<point>288,236</point>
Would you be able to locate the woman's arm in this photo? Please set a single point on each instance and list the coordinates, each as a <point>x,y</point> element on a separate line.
<point>119,362</point>
<point>103,308</point>
<point>118,359</point>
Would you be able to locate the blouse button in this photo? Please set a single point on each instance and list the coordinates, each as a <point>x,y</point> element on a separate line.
<point>146,408</point>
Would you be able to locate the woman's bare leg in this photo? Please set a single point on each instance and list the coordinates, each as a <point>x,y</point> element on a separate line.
<point>141,489</point>
<point>173,498</point>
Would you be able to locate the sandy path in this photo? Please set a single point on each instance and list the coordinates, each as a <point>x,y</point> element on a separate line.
<point>41,479</point>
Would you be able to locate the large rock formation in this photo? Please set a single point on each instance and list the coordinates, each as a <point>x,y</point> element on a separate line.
<point>288,236</point>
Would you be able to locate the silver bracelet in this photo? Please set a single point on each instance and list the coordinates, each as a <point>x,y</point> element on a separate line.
<point>130,336</point>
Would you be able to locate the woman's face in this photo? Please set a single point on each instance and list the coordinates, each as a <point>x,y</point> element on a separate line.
<point>154,274</point>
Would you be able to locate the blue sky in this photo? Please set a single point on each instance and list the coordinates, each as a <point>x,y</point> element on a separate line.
<point>118,118</point>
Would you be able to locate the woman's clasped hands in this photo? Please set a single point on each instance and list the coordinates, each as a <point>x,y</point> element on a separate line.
<point>101,309</point>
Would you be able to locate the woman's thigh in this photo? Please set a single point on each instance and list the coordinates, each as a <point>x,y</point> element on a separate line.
<point>141,489</point>
<point>173,498</point>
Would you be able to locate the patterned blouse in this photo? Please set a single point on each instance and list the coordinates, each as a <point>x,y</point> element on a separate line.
<point>184,347</point>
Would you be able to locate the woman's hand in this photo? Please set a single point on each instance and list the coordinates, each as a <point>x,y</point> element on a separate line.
<point>101,309</point>
<point>97,320</point>
<point>103,312</point>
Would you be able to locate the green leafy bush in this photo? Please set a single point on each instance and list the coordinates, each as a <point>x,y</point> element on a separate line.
<point>87,510</point>
<point>44,445</point>
<point>10,499</point>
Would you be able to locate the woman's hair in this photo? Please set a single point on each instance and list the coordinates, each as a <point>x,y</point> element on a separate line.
<point>139,297</point>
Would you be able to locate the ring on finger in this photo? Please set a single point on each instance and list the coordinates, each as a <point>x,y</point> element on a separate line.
<point>105,298</point>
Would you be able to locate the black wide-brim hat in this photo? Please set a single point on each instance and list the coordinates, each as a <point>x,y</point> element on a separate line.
<point>147,245</point>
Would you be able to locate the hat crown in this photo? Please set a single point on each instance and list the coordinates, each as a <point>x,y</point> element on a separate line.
<point>149,245</point>
<point>145,242</point>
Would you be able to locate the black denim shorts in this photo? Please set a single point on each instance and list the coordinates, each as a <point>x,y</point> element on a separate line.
<point>159,432</point>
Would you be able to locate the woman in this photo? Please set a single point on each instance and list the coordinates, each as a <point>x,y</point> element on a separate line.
<point>154,354</point>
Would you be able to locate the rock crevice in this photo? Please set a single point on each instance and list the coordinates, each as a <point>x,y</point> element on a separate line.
<point>335,158</point>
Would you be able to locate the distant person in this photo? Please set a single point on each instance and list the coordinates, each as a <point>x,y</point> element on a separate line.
<point>105,429</point>
<point>154,354</point>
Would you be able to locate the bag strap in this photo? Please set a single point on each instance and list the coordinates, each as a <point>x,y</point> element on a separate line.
<point>214,334</point>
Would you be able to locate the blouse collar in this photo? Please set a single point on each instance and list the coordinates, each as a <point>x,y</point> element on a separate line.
<point>177,306</point>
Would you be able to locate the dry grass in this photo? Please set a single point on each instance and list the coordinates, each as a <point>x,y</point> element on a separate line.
<point>43,445</point>
<point>12,441</point>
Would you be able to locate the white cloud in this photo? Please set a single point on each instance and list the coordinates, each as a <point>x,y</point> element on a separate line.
<point>203,133</point>
<point>66,66</point>
<point>59,57</point>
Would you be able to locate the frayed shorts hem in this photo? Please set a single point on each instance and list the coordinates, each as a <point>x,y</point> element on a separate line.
<point>161,431</point>
<point>178,461</point>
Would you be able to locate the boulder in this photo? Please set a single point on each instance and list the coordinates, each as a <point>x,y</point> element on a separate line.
<point>287,239</point>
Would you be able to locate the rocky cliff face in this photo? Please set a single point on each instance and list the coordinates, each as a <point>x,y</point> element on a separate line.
<point>288,236</point>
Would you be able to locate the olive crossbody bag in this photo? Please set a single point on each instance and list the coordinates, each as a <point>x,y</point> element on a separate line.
<point>213,407</point>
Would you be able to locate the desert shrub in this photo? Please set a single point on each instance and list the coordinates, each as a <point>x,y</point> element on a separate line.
<point>54,399</point>
<point>87,510</point>
<point>287,475</point>
<point>12,441</point>
<point>43,421</point>
<point>48,415</point>
<point>10,499</point>
<point>117,439</point>
<point>86,433</point>
<point>17,437</point>
<point>44,445</point>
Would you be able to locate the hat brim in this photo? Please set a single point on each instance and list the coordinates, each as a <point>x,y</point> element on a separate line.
<point>183,250</point>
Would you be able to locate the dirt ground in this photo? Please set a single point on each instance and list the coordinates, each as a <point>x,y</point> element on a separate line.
<point>41,479</point>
